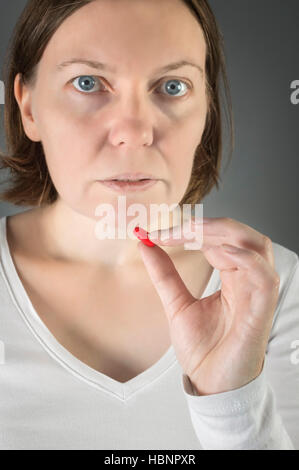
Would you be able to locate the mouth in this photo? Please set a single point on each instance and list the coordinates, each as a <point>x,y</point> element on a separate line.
<point>130,181</point>
<point>129,185</point>
<point>137,176</point>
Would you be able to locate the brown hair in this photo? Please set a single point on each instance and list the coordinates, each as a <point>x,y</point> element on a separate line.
<point>31,184</point>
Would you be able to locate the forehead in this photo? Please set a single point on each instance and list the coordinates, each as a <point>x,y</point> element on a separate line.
<point>130,35</point>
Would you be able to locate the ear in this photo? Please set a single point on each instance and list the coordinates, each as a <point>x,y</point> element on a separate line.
<point>23,95</point>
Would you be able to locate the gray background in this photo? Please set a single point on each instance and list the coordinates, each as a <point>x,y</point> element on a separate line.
<point>260,186</point>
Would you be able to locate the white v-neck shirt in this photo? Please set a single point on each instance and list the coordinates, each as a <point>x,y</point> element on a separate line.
<point>50,400</point>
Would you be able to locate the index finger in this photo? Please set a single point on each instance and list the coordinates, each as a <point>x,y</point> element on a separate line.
<point>188,234</point>
<point>218,231</point>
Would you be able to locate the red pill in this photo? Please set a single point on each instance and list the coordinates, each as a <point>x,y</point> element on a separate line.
<point>142,235</point>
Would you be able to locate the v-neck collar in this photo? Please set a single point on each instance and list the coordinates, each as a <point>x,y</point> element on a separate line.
<point>58,352</point>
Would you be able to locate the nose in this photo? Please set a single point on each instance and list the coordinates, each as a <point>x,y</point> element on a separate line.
<point>132,123</point>
<point>132,133</point>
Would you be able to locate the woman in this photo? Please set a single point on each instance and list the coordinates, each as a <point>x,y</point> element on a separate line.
<point>109,343</point>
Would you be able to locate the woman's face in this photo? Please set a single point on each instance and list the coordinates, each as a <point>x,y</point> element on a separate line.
<point>132,119</point>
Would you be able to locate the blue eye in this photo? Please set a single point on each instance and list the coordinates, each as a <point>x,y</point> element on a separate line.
<point>173,86</point>
<point>86,82</point>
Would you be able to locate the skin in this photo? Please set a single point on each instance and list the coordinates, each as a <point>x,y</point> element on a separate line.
<point>134,125</point>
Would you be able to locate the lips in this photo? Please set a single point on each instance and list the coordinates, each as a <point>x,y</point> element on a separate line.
<point>125,186</point>
<point>131,181</point>
<point>130,177</point>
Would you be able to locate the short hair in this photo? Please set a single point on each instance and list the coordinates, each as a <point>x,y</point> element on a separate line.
<point>30,181</point>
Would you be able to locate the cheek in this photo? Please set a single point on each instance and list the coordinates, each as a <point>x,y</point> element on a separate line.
<point>183,140</point>
<point>64,121</point>
<point>68,140</point>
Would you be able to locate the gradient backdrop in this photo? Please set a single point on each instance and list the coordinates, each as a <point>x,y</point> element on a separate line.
<point>260,186</point>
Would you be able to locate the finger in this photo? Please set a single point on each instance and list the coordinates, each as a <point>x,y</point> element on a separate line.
<point>250,286</point>
<point>170,287</point>
<point>187,234</point>
<point>229,258</point>
<point>216,232</point>
<point>237,233</point>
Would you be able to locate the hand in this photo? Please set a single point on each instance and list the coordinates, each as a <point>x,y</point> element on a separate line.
<point>220,340</point>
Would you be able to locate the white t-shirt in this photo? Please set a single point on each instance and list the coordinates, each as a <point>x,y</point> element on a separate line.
<point>50,400</point>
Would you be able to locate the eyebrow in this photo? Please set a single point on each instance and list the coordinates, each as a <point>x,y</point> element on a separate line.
<point>108,68</point>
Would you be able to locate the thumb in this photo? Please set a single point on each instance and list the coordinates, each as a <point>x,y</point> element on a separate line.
<point>169,285</point>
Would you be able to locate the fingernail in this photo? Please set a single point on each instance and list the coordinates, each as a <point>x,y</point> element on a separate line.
<point>142,235</point>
